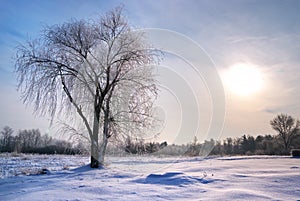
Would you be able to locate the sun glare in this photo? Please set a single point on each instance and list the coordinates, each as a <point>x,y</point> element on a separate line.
<point>243,79</point>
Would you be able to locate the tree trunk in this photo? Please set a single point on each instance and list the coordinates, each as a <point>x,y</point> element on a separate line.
<point>94,154</point>
<point>95,146</point>
<point>95,143</point>
<point>104,135</point>
<point>102,150</point>
<point>95,134</point>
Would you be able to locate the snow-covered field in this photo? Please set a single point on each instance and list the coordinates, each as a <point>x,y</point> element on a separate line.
<point>150,178</point>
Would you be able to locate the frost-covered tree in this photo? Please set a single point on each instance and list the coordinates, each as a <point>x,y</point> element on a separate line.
<point>99,69</point>
<point>6,140</point>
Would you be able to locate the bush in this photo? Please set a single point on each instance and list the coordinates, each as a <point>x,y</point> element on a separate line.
<point>139,147</point>
<point>53,149</point>
<point>296,152</point>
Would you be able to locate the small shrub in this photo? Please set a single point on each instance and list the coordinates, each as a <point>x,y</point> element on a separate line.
<point>296,152</point>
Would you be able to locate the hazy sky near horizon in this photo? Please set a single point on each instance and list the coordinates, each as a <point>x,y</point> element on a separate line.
<point>261,34</point>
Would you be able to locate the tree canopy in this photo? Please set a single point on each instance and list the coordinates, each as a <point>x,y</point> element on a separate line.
<point>100,69</point>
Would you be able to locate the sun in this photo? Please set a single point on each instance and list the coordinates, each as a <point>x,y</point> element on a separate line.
<point>243,79</point>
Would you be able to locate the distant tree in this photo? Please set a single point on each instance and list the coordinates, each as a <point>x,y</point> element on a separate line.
<point>237,148</point>
<point>296,142</point>
<point>248,144</point>
<point>28,139</point>
<point>287,128</point>
<point>268,145</point>
<point>46,140</point>
<point>7,139</point>
<point>206,147</point>
<point>92,67</point>
<point>218,149</point>
<point>194,148</point>
<point>228,146</point>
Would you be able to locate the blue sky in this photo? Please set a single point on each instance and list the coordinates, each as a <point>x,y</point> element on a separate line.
<point>263,33</point>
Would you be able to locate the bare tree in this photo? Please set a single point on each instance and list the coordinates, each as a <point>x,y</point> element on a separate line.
<point>7,139</point>
<point>287,128</point>
<point>87,66</point>
<point>46,140</point>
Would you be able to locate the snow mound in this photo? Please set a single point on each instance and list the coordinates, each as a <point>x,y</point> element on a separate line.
<point>173,179</point>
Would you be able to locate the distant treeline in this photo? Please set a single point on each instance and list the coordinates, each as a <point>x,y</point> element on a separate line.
<point>32,141</point>
<point>245,145</point>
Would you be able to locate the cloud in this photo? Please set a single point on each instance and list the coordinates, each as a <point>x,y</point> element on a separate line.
<point>272,110</point>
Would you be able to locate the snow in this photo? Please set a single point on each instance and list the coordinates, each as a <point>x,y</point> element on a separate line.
<point>151,178</point>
